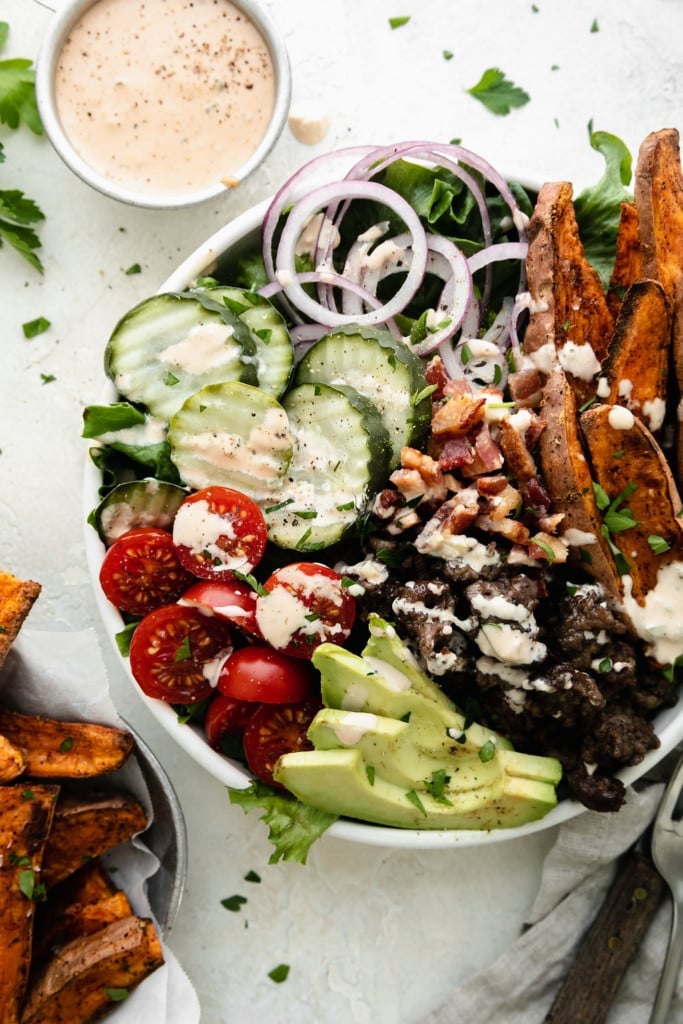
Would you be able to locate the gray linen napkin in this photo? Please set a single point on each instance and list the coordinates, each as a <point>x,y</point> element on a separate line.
<point>520,986</point>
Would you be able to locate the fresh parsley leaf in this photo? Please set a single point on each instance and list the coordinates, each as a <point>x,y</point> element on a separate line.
<point>17,213</point>
<point>233,903</point>
<point>399,22</point>
<point>184,650</point>
<point>32,889</point>
<point>32,328</point>
<point>658,544</point>
<point>117,995</point>
<point>447,55</point>
<point>293,826</point>
<point>415,799</point>
<point>595,27</point>
<point>134,268</point>
<point>47,378</point>
<point>252,876</point>
<point>18,92</point>
<point>497,93</point>
<point>66,745</point>
<point>601,496</point>
<point>279,973</point>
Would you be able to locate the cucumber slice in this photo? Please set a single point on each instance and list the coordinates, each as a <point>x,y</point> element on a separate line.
<point>381,368</point>
<point>341,457</point>
<point>137,503</point>
<point>232,434</point>
<point>169,346</point>
<point>274,349</point>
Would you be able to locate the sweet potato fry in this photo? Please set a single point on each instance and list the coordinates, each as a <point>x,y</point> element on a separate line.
<point>16,600</point>
<point>628,263</point>
<point>84,826</point>
<point>25,818</point>
<point>12,760</point>
<point>568,479</point>
<point>58,923</point>
<point>78,984</point>
<point>637,364</point>
<point>641,475</point>
<point>54,749</point>
<point>569,309</point>
<point>659,198</point>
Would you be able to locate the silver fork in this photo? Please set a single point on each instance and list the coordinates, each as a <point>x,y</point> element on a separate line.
<point>667,853</point>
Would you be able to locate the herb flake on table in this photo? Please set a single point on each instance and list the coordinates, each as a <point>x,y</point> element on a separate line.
<point>399,22</point>
<point>595,27</point>
<point>234,903</point>
<point>498,93</point>
<point>18,106</point>
<point>32,328</point>
<point>134,268</point>
<point>279,973</point>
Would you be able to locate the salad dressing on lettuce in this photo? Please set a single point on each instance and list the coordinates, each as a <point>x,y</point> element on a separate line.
<point>166,96</point>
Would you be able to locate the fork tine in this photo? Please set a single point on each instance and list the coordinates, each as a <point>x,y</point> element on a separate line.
<point>671,796</point>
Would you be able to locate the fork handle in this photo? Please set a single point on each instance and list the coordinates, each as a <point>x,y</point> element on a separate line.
<point>610,944</point>
<point>667,982</point>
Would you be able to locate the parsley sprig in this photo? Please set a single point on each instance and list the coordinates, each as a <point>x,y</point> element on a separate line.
<point>18,106</point>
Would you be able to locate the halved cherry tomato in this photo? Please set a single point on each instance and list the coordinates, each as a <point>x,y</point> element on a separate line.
<point>176,652</point>
<point>270,677</point>
<point>228,599</point>
<point>276,729</point>
<point>226,716</point>
<point>306,604</point>
<point>218,531</point>
<point>141,571</point>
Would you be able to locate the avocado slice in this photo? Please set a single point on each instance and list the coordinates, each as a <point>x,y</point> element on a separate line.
<point>403,753</point>
<point>337,781</point>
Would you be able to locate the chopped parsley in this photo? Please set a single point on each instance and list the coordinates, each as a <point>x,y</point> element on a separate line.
<point>447,55</point>
<point>252,876</point>
<point>117,995</point>
<point>184,651</point>
<point>658,544</point>
<point>595,27</point>
<point>251,581</point>
<point>32,328</point>
<point>497,93</point>
<point>279,973</point>
<point>487,752</point>
<point>399,22</point>
<point>134,268</point>
<point>32,889</point>
<point>47,378</point>
<point>415,799</point>
<point>234,903</point>
<point>66,745</point>
<point>370,772</point>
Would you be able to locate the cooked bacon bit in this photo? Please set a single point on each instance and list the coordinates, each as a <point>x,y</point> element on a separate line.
<point>536,496</point>
<point>456,514</point>
<point>458,415</point>
<point>519,459</point>
<point>457,451</point>
<point>507,501</point>
<point>403,520</point>
<point>488,485</point>
<point>512,529</point>
<point>386,503</point>
<point>519,555</point>
<point>550,524</point>
<point>487,455</point>
<point>526,387</point>
<point>457,386</point>
<point>420,476</point>
<point>435,374</point>
<point>543,545</point>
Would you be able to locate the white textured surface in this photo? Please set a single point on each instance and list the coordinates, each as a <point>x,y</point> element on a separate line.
<point>371,934</point>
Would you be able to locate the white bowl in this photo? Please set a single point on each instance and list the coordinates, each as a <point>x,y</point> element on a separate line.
<point>219,251</point>
<point>46,66</point>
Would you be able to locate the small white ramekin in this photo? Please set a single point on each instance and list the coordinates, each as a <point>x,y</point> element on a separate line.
<point>46,65</point>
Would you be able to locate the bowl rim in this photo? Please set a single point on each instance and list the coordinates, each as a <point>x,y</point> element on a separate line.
<point>45,67</point>
<point>190,738</point>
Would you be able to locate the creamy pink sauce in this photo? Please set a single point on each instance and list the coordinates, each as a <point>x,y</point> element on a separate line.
<point>165,96</point>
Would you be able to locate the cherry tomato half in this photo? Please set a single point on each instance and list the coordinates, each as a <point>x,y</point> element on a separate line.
<point>228,599</point>
<point>141,571</point>
<point>226,716</point>
<point>176,652</point>
<point>306,605</point>
<point>276,729</point>
<point>261,674</point>
<point>218,531</point>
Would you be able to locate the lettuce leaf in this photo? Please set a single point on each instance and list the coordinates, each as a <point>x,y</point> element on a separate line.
<point>293,827</point>
<point>598,207</point>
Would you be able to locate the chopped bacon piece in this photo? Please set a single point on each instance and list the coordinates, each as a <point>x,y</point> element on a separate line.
<point>435,374</point>
<point>507,501</point>
<point>534,430</point>
<point>487,455</point>
<point>457,386</point>
<point>550,524</point>
<point>457,451</point>
<point>512,529</point>
<point>543,545</point>
<point>458,415</point>
<point>536,496</point>
<point>488,485</point>
<point>420,476</point>
<point>519,459</point>
<point>386,503</point>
